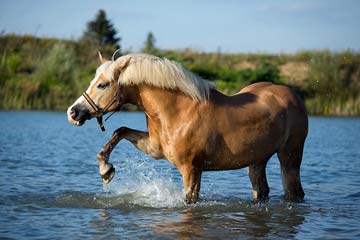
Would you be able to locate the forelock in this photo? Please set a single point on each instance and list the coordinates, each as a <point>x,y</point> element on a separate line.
<point>104,69</point>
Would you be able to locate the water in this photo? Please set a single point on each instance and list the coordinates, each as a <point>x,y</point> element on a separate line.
<point>50,187</point>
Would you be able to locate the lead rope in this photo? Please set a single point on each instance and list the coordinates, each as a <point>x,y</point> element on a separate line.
<point>109,116</point>
<point>100,122</point>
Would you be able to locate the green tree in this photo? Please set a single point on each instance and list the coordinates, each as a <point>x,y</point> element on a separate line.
<point>102,31</point>
<point>149,44</point>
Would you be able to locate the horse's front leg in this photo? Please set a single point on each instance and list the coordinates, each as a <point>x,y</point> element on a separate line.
<point>138,138</point>
<point>192,181</point>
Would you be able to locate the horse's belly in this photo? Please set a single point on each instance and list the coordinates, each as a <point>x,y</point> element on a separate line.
<point>224,160</point>
<point>227,159</point>
<point>225,164</point>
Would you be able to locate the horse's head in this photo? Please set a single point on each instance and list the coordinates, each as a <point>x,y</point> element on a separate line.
<point>100,97</point>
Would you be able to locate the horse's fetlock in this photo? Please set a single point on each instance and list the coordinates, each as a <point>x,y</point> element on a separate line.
<point>102,157</point>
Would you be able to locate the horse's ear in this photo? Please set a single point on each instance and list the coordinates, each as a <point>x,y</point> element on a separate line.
<point>120,68</point>
<point>124,64</point>
<point>102,60</point>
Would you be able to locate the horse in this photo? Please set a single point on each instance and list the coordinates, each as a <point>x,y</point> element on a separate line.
<point>194,126</point>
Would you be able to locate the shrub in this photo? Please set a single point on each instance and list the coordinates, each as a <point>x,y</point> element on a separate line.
<point>45,73</point>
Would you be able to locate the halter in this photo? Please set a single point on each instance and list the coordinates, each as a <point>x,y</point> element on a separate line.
<point>99,112</point>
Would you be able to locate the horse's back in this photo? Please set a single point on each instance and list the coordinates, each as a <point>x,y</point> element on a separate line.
<point>284,102</point>
<point>271,109</point>
<point>284,96</point>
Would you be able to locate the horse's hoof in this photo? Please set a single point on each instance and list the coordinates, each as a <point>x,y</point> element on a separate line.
<point>191,199</point>
<point>108,176</point>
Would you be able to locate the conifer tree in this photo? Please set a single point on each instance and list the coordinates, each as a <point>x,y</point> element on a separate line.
<point>149,44</point>
<point>102,31</point>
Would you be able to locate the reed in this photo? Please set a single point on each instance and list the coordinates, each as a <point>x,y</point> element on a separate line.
<point>48,74</point>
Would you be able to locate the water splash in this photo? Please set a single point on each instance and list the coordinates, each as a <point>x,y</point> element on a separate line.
<point>139,182</point>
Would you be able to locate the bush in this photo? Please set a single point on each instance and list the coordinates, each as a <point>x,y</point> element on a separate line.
<point>45,73</point>
<point>267,72</point>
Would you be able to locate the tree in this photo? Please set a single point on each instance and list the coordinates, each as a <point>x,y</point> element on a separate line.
<point>102,31</point>
<point>149,44</point>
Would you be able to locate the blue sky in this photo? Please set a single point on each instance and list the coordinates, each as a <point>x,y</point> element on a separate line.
<point>228,25</point>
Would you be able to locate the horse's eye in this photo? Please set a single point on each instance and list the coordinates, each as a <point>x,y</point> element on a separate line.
<point>103,85</point>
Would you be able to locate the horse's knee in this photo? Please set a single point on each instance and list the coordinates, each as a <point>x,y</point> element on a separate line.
<point>120,131</point>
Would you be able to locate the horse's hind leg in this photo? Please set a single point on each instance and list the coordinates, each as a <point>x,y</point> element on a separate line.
<point>290,156</point>
<point>257,175</point>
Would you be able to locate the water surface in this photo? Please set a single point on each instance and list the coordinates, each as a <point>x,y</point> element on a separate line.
<point>50,187</point>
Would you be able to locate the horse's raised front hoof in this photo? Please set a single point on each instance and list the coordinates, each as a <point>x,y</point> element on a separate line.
<point>109,175</point>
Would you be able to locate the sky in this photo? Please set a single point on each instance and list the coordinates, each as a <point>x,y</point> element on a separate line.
<point>282,26</point>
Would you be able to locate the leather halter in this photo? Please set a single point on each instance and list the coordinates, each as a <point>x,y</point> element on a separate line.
<point>99,112</point>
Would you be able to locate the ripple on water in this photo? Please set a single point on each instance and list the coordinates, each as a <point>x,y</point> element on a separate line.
<point>145,200</point>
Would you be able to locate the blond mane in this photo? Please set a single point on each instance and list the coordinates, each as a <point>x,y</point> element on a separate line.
<point>162,73</point>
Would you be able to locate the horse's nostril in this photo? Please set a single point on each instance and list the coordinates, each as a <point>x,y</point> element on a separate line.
<point>73,113</point>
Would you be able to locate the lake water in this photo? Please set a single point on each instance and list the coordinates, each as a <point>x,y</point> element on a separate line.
<point>50,187</point>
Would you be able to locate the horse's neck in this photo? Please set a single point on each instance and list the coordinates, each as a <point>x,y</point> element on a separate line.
<point>162,106</point>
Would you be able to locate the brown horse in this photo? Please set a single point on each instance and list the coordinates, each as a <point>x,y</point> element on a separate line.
<point>197,128</point>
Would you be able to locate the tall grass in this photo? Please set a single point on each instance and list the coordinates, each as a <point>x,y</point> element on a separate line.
<point>333,83</point>
<point>40,73</point>
<point>49,86</point>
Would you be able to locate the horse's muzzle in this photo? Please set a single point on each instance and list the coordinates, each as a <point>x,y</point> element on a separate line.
<point>73,113</point>
<point>77,116</point>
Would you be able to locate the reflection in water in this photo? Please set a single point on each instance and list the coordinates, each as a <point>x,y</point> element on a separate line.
<point>103,223</point>
<point>207,219</point>
<point>230,220</point>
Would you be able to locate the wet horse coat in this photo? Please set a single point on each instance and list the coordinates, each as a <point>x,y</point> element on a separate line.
<point>197,128</point>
